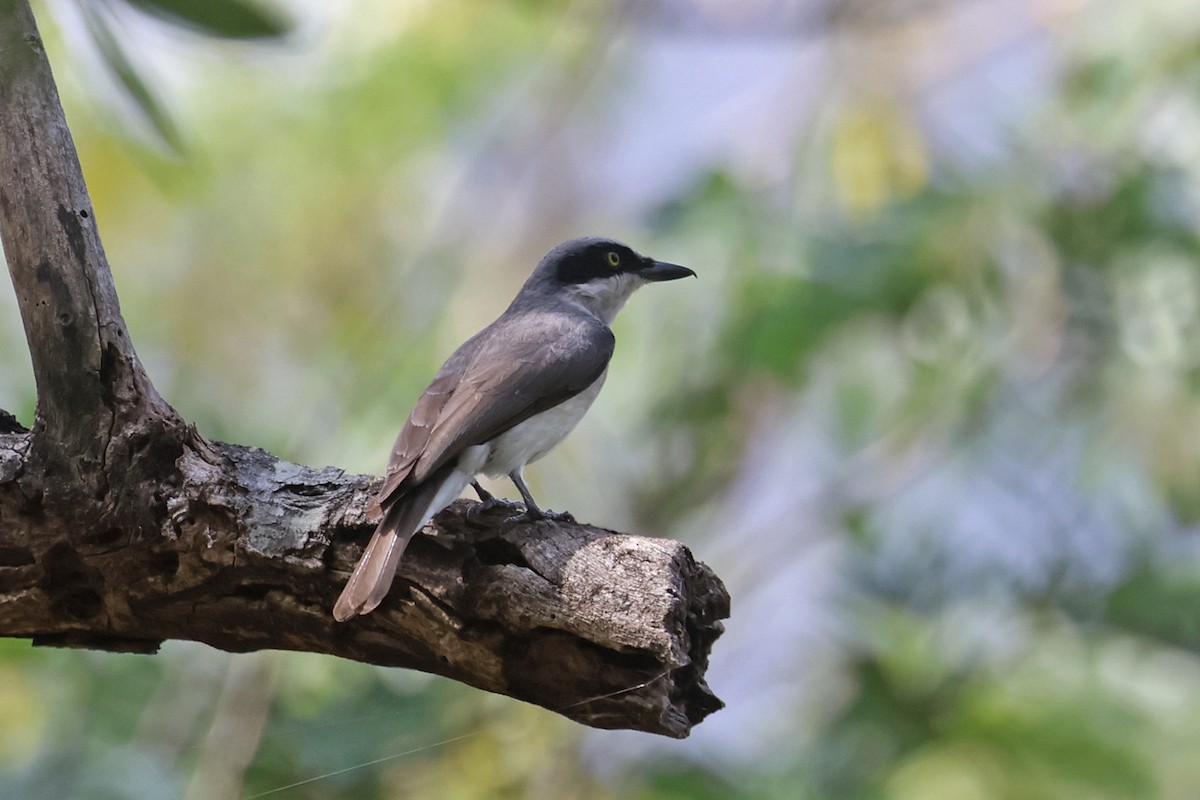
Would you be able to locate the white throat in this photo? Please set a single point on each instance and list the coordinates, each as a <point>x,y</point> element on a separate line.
<point>604,297</point>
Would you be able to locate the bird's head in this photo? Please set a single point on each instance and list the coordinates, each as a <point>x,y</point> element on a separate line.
<point>599,274</point>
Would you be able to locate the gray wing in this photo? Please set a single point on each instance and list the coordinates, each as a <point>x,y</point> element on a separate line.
<point>516,367</point>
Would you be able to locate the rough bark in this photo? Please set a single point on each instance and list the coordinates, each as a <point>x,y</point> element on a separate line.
<point>121,526</point>
<point>243,551</point>
<point>88,379</point>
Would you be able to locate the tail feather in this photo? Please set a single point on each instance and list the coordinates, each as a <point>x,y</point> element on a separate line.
<point>387,545</point>
<point>376,568</point>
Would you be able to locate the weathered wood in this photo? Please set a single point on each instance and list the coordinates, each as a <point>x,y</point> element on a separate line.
<point>88,378</point>
<point>121,526</point>
<point>247,552</point>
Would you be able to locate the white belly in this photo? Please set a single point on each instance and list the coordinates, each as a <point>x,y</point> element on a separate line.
<point>536,436</point>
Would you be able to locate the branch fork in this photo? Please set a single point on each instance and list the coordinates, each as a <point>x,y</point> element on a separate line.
<point>121,526</point>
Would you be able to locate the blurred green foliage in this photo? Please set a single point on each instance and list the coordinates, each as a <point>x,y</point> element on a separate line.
<point>230,19</point>
<point>932,409</point>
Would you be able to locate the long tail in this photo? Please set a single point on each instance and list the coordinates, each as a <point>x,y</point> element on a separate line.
<point>376,567</point>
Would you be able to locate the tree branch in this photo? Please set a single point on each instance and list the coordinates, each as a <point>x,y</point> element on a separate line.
<point>88,378</point>
<point>121,526</point>
<point>249,552</point>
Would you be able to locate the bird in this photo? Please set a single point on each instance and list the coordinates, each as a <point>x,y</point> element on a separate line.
<point>503,400</point>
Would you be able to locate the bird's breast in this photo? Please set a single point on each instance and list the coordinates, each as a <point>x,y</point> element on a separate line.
<point>536,436</point>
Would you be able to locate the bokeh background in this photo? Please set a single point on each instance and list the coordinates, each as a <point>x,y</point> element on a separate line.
<point>932,409</point>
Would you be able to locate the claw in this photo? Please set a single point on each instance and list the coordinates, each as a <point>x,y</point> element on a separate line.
<point>483,507</point>
<point>532,512</point>
<point>536,515</point>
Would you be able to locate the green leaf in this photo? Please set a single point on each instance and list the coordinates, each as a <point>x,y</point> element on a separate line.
<point>225,19</point>
<point>1159,603</point>
<point>137,89</point>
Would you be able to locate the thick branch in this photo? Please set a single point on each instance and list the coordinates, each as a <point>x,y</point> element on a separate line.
<point>249,553</point>
<point>88,378</point>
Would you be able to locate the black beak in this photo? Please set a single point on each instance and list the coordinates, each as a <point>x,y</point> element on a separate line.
<point>653,270</point>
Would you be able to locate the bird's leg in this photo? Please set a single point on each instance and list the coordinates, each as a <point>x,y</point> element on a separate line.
<point>488,501</point>
<point>532,511</point>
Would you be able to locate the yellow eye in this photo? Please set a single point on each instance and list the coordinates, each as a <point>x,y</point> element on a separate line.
<point>614,260</point>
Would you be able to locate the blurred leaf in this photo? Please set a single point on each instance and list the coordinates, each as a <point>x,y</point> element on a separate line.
<point>785,318</point>
<point>1153,604</point>
<point>782,320</point>
<point>878,157</point>
<point>22,716</point>
<point>1056,736</point>
<point>137,89</point>
<point>695,784</point>
<point>1183,496</point>
<point>1091,227</point>
<point>879,727</point>
<point>226,19</point>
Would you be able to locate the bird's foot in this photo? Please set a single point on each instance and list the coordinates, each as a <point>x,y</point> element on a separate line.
<point>535,514</point>
<point>484,506</point>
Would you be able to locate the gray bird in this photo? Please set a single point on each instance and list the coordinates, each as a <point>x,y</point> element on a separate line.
<point>504,399</point>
